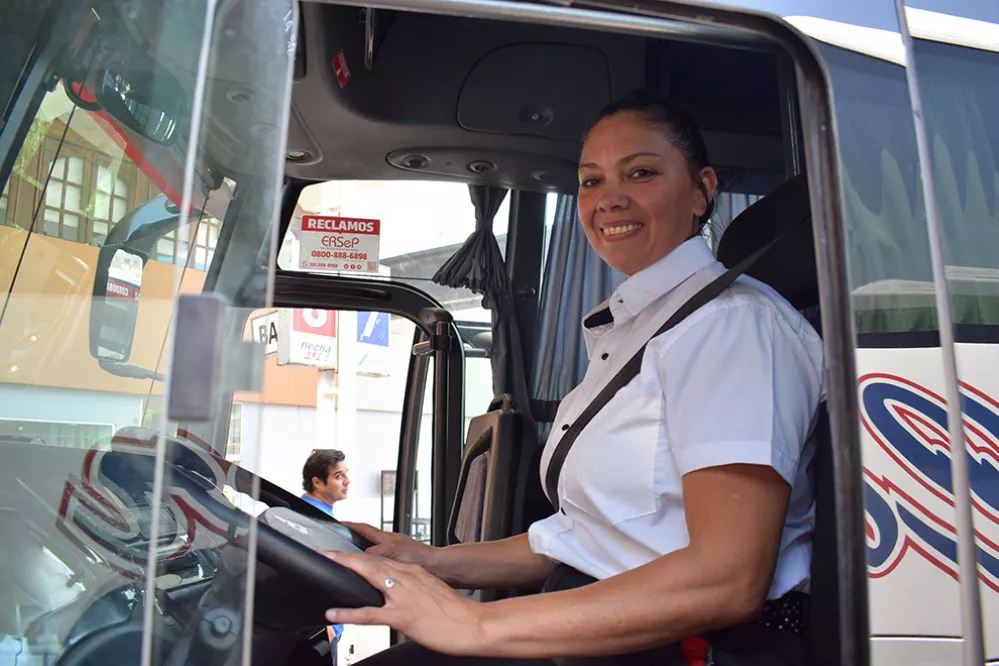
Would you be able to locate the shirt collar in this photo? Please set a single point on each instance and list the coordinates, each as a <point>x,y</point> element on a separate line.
<point>651,283</point>
<point>318,503</point>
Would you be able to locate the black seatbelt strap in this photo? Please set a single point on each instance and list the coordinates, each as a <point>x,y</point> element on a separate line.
<point>630,370</point>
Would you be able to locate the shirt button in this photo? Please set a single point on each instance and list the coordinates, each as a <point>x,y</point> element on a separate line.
<point>604,356</point>
<point>565,427</point>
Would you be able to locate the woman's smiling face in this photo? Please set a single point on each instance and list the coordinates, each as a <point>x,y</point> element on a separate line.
<point>637,198</point>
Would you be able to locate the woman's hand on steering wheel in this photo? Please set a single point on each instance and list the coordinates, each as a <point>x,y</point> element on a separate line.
<point>417,603</point>
<point>394,546</point>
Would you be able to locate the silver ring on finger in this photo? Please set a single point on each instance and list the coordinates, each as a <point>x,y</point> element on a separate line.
<point>389,583</point>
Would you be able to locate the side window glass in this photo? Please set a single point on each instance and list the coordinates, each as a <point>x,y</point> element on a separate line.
<point>422,488</point>
<point>961,102</point>
<point>961,105</point>
<point>908,492</point>
<point>478,385</point>
<point>895,315</point>
<point>420,225</point>
<point>332,380</point>
<point>890,270</point>
<point>405,230</point>
<point>478,393</point>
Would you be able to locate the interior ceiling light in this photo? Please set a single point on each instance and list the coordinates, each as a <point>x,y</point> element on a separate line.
<point>481,167</point>
<point>415,161</point>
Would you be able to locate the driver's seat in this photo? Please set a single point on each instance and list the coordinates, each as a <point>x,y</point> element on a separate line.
<point>790,268</point>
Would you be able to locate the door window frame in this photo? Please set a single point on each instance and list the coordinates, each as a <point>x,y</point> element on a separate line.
<point>329,292</point>
<point>822,165</point>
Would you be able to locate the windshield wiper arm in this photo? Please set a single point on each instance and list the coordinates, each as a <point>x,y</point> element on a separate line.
<point>130,371</point>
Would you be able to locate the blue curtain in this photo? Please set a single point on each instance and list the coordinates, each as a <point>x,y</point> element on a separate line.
<point>575,281</point>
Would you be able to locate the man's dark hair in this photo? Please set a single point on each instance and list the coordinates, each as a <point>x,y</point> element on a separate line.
<point>319,465</point>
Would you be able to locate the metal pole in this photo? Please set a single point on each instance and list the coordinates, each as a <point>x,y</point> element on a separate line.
<point>967,559</point>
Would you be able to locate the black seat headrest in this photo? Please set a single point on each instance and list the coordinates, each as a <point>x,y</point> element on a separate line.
<point>789,266</point>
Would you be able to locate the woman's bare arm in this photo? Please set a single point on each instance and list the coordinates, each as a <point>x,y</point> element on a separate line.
<point>509,563</point>
<point>735,516</point>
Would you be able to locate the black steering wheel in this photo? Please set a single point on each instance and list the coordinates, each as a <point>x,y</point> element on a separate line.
<point>293,544</point>
<point>295,584</point>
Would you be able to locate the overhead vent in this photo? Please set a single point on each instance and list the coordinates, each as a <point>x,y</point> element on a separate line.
<point>302,146</point>
<point>545,90</point>
<point>506,168</point>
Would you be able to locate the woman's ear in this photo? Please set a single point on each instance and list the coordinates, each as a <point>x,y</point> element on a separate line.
<point>706,193</point>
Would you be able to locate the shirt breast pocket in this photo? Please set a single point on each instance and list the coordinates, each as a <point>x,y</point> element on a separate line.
<point>611,470</point>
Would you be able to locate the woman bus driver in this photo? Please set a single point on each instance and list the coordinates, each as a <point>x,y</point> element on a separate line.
<point>686,497</point>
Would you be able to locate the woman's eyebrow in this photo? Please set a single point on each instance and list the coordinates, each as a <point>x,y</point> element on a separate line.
<point>623,160</point>
<point>635,156</point>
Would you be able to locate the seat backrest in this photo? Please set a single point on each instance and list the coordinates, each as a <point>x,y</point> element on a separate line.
<point>790,268</point>
<point>484,503</point>
<point>495,481</point>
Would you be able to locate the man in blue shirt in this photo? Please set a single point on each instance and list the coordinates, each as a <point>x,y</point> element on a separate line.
<point>325,481</point>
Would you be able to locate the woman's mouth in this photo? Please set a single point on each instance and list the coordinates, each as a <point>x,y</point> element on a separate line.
<point>620,231</point>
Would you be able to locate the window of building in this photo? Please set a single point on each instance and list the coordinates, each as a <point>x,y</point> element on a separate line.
<point>63,198</point>
<point>4,202</point>
<point>110,201</point>
<point>166,249</point>
<point>170,250</point>
<point>234,447</point>
<point>205,240</point>
<point>80,185</point>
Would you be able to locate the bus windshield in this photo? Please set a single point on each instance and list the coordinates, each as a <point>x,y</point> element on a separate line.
<point>124,159</point>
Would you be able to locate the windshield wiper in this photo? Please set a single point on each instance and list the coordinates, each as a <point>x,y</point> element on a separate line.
<point>130,371</point>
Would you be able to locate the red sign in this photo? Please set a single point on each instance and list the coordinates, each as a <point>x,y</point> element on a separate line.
<point>315,322</point>
<point>119,289</point>
<point>340,68</point>
<point>330,243</point>
<point>341,225</point>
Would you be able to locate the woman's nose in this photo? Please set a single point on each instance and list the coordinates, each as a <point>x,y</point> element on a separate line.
<point>612,198</point>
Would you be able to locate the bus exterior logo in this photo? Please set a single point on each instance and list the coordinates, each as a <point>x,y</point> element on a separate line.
<point>107,510</point>
<point>908,422</point>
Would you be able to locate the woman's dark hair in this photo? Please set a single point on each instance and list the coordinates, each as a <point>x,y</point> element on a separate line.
<point>319,464</point>
<point>679,128</point>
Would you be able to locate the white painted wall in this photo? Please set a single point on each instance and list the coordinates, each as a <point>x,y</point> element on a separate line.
<point>25,402</point>
<point>276,441</point>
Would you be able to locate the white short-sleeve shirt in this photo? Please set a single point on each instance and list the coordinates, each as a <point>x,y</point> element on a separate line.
<point>738,381</point>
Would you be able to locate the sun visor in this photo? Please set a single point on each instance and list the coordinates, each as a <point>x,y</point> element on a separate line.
<point>545,90</point>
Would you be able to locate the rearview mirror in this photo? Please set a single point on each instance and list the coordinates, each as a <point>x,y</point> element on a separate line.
<point>141,95</point>
<point>132,88</point>
<point>115,307</point>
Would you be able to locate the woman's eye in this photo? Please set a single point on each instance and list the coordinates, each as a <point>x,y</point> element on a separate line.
<point>642,173</point>
<point>588,182</point>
